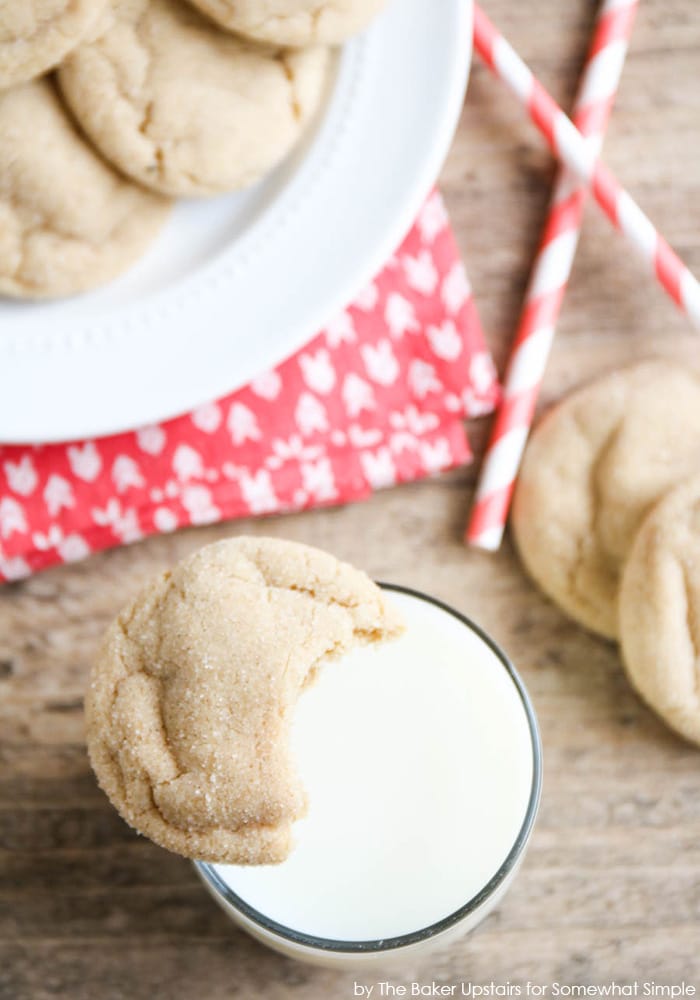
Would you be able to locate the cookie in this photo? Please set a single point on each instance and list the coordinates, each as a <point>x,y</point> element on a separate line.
<point>293,22</point>
<point>68,222</point>
<point>35,35</point>
<point>184,108</point>
<point>193,692</point>
<point>659,610</point>
<point>593,467</point>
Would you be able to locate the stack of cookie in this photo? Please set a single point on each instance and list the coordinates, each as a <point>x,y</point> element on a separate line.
<point>151,99</point>
<point>607,521</point>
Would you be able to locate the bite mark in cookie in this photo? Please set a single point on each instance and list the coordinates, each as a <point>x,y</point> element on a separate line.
<point>193,692</point>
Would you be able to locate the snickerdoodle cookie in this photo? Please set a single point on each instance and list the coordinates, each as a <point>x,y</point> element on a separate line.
<point>659,610</point>
<point>68,221</point>
<point>183,107</point>
<point>193,692</point>
<point>293,22</point>
<point>594,466</point>
<point>36,34</point>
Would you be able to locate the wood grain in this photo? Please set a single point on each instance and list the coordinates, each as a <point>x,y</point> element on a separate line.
<point>611,885</point>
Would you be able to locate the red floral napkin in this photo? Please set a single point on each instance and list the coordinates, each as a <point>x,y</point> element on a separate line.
<point>376,398</point>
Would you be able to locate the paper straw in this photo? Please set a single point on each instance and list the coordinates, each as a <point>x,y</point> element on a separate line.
<point>571,148</point>
<point>548,280</point>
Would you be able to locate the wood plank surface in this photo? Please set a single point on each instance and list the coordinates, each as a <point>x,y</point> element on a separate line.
<point>610,889</point>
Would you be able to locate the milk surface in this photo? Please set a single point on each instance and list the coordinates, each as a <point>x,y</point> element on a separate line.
<point>418,762</point>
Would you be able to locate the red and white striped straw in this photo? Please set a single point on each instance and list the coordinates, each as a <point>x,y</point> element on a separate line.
<point>576,154</point>
<point>550,275</point>
<point>572,149</point>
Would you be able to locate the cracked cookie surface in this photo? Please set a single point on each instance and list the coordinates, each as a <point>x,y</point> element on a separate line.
<point>293,22</point>
<point>183,107</point>
<point>660,610</point>
<point>35,35</point>
<point>68,222</point>
<point>192,695</point>
<point>594,466</point>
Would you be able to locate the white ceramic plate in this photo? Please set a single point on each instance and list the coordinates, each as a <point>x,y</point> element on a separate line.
<point>234,285</point>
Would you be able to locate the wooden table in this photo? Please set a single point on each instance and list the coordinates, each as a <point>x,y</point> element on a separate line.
<point>611,886</point>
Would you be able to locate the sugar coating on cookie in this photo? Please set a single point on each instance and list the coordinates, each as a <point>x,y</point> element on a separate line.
<point>68,222</point>
<point>35,35</point>
<point>659,610</point>
<point>193,692</point>
<point>593,467</point>
<point>184,107</point>
<point>293,22</point>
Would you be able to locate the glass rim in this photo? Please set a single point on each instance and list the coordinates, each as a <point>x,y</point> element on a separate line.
<point>314,942</point>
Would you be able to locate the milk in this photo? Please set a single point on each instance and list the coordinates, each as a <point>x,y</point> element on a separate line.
<point>418,757</point>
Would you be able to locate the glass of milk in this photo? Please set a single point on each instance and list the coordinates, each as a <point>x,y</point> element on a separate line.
<point>422,763</point>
